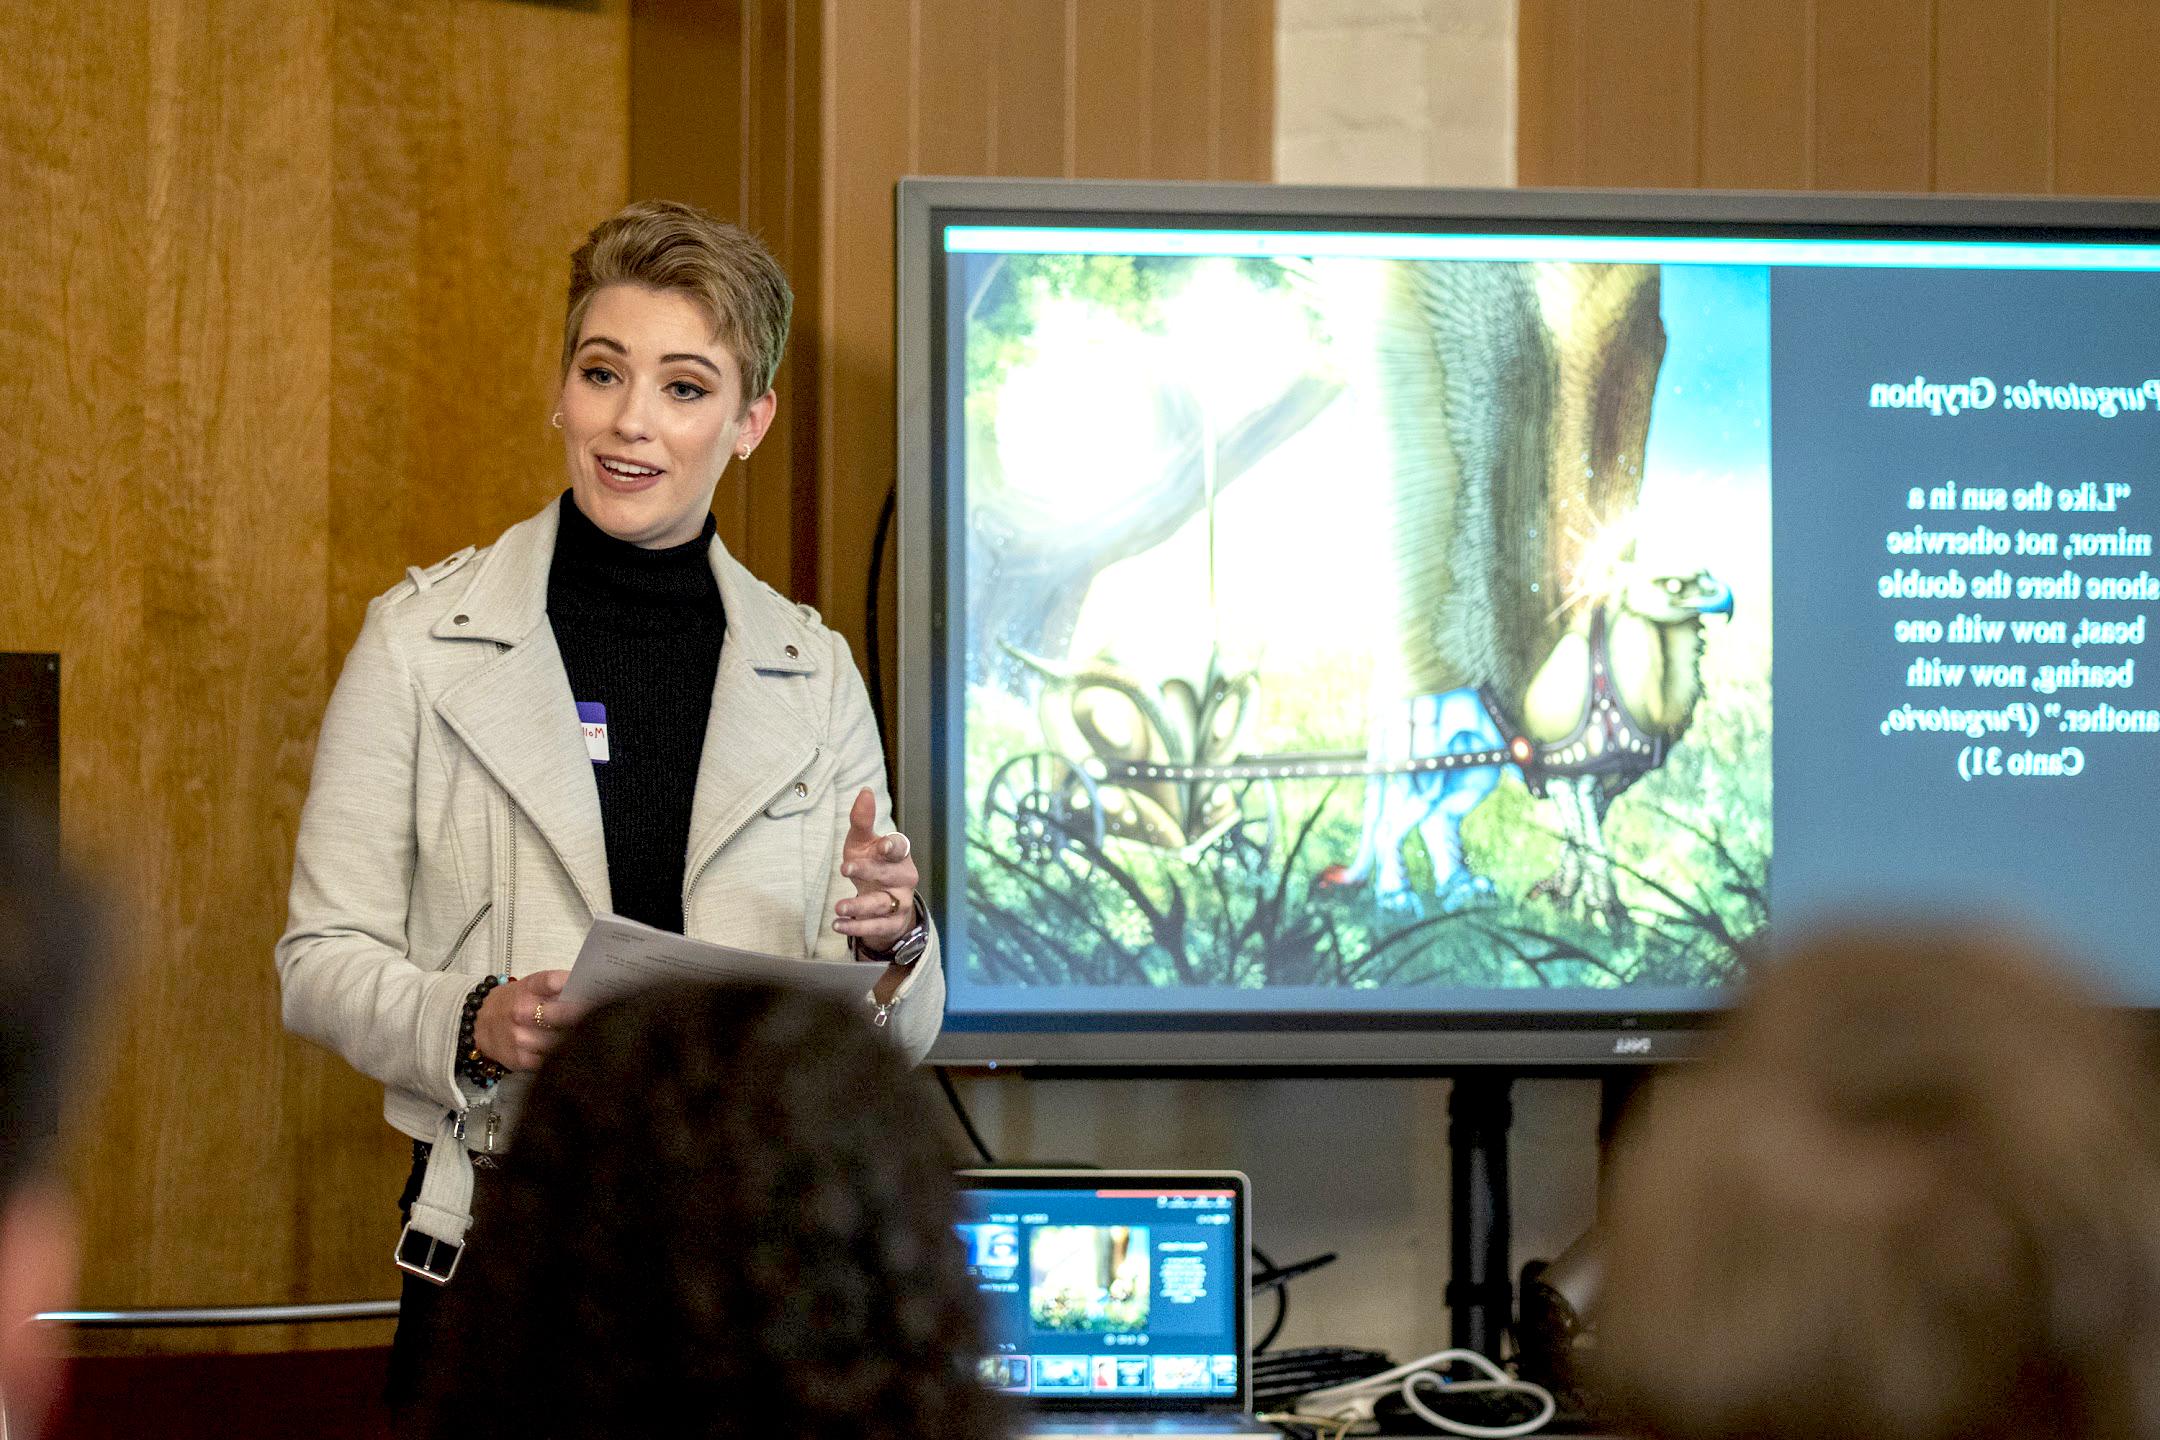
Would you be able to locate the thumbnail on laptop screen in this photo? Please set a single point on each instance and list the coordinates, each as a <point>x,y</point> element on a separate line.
<point>1109,1294</point>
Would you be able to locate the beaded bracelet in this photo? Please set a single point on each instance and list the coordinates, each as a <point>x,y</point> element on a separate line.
<point>471,1064</point>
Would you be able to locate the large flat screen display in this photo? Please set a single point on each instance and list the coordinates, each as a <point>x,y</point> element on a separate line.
<point>1398,627</point>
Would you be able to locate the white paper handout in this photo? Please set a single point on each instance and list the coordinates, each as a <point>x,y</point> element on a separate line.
<point>620,956</point>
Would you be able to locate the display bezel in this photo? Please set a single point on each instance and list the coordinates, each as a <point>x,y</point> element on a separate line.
<point>1022,1179</point>
<point>1393,1041</point>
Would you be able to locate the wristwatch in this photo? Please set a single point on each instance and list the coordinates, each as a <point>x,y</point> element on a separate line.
<point>907,949</point>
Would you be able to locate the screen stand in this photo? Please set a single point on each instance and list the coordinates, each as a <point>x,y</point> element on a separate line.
<point>1479,1296</point>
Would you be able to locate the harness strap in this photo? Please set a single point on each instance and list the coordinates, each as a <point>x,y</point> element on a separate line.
<point>433,1240</point>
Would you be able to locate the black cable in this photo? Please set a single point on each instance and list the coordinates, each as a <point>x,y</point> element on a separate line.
<point>873,664</point>
<point>1282,1304</point>
<point>952,1096</point>
<point>873,657</point>
<point>1274,1275</point>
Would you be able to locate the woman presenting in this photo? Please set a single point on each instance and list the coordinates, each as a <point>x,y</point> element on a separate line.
<point>601,711</point>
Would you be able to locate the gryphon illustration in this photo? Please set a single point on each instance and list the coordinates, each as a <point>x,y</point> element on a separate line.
<point>1517,400</point>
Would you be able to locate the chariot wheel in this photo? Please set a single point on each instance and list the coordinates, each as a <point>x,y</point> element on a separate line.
<point>1246,846</point>
<point>1041,808</point>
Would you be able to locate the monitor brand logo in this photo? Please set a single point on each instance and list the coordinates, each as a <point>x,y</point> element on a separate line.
<point>1631,1045</point>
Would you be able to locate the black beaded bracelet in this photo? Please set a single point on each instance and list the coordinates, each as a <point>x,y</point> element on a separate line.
<point>471,1064</point>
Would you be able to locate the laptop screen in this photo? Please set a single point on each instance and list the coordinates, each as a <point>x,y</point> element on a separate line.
<point>1107,1287</point>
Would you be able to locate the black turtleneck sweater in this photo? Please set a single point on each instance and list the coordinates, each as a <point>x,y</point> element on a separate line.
<point>640,633</point>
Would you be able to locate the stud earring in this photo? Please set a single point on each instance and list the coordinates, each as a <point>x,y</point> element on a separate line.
<point>557,421</point>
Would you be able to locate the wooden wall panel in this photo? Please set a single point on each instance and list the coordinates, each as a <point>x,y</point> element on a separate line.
<point>869,144</point>
<point>75,106</point>
<point>1550,90</point>
<point>1034,91</point>
<point>2106,105</point>
<point>1181,58</point>
<point>2007,96</point>
<point>1874,95</point>
<point>1243,123</point>
<point>1112,86</point>
<point>237,387</point>
<point>74,177</point>
<point>1645,135</point>
<point>1994,96</point>
<point>286,291</point>
<point>953,116</point>
<point>1755,98</point>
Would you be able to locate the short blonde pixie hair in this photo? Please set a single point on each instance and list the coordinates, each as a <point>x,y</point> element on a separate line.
<point>667,245</point>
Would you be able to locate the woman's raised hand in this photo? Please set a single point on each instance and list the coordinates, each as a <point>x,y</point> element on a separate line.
<point>882,909</point>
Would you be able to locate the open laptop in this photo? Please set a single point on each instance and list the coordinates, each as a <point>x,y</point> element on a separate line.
<point>1115,1301</point>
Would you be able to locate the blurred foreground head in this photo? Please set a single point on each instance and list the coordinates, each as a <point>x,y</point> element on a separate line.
<point>1913,1195</point>
<point>729,1212</point>
<point>50,953</point>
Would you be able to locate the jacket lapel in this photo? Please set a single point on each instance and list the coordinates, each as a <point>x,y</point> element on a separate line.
<point>759,736</point>
<point>516,713</point>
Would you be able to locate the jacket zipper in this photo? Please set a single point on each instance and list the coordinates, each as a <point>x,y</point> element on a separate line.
<point>741,825</point>
<point>466,934</point>
<point>510,904</point>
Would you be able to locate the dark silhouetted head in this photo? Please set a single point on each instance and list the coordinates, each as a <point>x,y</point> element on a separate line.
<point>728,1211</point>
<point>1912,1195</point>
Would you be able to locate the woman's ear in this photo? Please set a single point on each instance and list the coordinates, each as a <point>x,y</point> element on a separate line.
<point>756,420</point>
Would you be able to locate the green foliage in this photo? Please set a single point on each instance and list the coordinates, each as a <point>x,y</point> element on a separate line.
<point>1690,844</point>
<point>1003,317</point>
<point>1006,308</point>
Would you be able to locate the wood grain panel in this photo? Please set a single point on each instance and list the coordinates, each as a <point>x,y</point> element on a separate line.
<point>1874,99</point>
<point>75,101</point>
<point>1640,130</point>
<point>236,391</point>
<point>1756,103</point>
<point>955,82</point>
<point>74,107</point>
<point>1033,89</point>
<point>1182,58</point>
<point>1244,118</point>
<point>1549,88</point>
<point>2005,96</point>
<point>697,65</point>
<point>1112,81</point>
<point>867,149</point>
<point>787,200</point>
<point>2106,107</point>
<point>1994,96</point>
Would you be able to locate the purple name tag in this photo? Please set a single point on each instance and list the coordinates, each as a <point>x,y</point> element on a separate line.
<point>592,719</point>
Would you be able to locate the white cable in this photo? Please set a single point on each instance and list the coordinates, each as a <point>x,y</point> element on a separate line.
<point>1353,1402</point>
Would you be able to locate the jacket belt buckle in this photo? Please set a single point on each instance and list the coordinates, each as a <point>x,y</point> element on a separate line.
<point>424,1256</point>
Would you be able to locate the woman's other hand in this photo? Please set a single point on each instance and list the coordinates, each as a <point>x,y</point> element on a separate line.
<point>524,1019</point>
<point>882,909</point>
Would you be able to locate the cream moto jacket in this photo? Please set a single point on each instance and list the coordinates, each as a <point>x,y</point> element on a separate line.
<point>452,828</point>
